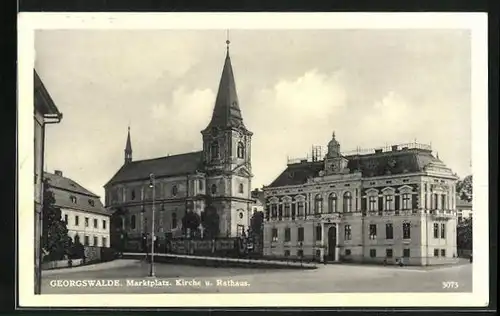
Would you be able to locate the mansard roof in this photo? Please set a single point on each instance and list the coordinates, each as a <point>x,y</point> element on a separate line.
<point>63,188</point>
<point>168,166</point>
<point>371,165</point>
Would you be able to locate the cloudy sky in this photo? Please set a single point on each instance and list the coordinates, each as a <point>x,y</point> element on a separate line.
<point>373,87</point>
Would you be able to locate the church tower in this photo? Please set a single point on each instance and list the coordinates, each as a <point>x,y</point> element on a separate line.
<point>227,157</point>
<point>128,149</point>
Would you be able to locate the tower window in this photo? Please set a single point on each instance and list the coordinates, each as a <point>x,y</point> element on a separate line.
<point>174,220</point>
<point>214,149</point>
<point>132,222</point>
<point>174,190</point>
<point>241,188</point>
<point>214,189</point>
<point>132,194</point>
<point>241,150</point>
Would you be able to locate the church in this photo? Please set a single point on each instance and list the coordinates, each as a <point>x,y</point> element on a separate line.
<point>394,205</point>
<point>214,181</point>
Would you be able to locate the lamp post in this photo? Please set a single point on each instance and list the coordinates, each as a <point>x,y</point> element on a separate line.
<point>152,184</point>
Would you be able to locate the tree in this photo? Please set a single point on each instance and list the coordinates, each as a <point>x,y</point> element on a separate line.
<point>464,234</point>
<point>55,241</point>
<point>190,221</point>
<point>210,222</point>
<point>255,232</point>
<point>464,188</point>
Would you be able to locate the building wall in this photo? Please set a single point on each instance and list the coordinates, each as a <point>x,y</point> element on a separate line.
<point>82,229</point>
<point>38,147</point>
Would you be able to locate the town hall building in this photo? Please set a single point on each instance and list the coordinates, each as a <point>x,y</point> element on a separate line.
<point>216,178</point>
<point>395,204</point>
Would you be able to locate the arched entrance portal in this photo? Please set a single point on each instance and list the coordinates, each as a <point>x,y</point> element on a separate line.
<point>332,243</point>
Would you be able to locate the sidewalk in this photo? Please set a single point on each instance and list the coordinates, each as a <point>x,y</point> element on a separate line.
<point>118,263</point>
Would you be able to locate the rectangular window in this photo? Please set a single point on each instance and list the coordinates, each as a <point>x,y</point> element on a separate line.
<point>347,232</point>
<point>66,218</point>
<point>318,233</point>
<point>86,222</point>
<point>287,253</point>
<point>372,203</point>
<point>443,252</point>
<point>373,231</point>
<point>443,201</point>
<point>300,253</point>
<point>443,231</point>
<point>388,253</point>
<point>406,230</point>
<point>95,241</point>
<point>274,234</point>
<point>104,242</point>
<point>287,234</point>
<point>86,241</point>
<point>77,220</point>
<point>95,222</point>
<point>388,202</point>
<point>406,253</point>
<point>436,252</point>
<point>103,224</point>
<point>435,201</point>
<point>373,253</point>
<point>287,210</point>
<point>436,230</point>
<point>406,201</point>
<point>300,234</point>
<point>348,252</point>
<point>389,231</point>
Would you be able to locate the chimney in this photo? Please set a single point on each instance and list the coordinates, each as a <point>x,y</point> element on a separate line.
<point>58,173</point>
<point>394,147</point>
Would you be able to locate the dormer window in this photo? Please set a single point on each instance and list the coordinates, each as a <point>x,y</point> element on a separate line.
<point>91,202</point>
<point>73,199</point>
<point>241,150</point>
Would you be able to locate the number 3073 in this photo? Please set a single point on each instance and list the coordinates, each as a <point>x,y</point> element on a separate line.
<point>450,285</point>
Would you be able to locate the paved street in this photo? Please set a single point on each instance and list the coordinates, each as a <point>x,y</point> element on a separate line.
<point>127,276</point>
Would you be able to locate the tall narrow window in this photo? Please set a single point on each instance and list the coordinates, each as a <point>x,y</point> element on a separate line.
<point>389,199</point>
<point>332,203</point>
<point>435,201</point>
<point>132,194</point>
<point>66,218</point>
<point>213,189</point>
<point>300,208</point>
<point>406,231</point>
<point>274,210</point>
<point>300,234</point>
<point>443,230</point>
<point>389,231</point>
<point>77,220</point>
<point>347,202</point>
<point>406,201</point>
<point>318,232</point>
<point>200,184</point>
<point>132,222</point>
<point>287,234</point>
<point>86,222</point>
<point>174,221</point>
<point>406,253</point>
<point>373,231</point>
<point>103,224</point>
<point>95,222</point>
<point>443,201</point>
<point>240,189</point>
<point>96,243</point>
<point>241,150</point>
<point>436,230</point>
<point>372,203</point>
<point>274,233</point>
<point>318,204</point>
<point>347,232</point>
<point>174,190</point>
<point>214,150</point>
<point>287,210</point>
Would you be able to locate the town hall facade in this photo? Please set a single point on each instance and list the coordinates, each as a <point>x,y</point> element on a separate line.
<point>216,179</point>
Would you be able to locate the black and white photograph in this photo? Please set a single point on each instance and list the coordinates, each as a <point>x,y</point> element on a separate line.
<point>321,159</point>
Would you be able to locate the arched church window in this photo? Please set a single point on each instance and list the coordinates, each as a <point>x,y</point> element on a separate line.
<point>241,150</point>
<point>241,188</point>
<point>213,189</point>
<point>214,149</point>
<point>318,204</point>
<point>347,202</point>
<point>132,222</point>
<point>332,203</point>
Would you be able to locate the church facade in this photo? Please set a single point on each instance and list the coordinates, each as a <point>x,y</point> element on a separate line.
<point>215,180</point>
<point>392,205</point>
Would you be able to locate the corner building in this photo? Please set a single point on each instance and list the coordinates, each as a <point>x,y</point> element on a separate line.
<point>219,173</point>
<point>392,204</point>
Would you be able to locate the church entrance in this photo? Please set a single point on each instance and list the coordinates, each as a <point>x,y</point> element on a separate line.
<point>332,242</point>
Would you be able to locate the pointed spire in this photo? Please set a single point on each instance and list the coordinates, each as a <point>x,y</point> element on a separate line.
<point>128,148</point>
<point>227,111</point>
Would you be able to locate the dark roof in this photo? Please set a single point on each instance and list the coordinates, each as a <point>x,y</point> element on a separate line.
<point>227,111</point>
<point>43,101</point>
<point>63,188</point>
<point>371,165</point>
<point>161,167</point>
<point>463,204</point>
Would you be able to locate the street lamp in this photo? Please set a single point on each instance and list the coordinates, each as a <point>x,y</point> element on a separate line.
<point>152,184</point>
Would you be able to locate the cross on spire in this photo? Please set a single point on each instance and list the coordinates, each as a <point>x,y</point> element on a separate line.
<point>227,40</point>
